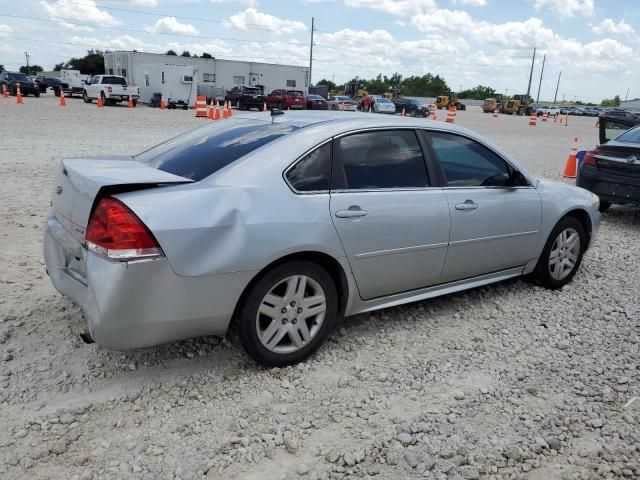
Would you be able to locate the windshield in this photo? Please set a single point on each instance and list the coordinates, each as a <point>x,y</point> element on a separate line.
<point>20,77</point>
<point>630,136</point>
<point>114,80</point>
<point>382,100</point>
<point>343,98</point>
<point>205,150</point>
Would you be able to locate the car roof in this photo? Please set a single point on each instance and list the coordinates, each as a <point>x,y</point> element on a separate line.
<point>349,120</point>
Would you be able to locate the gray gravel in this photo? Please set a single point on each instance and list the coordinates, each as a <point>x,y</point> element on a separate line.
<point>509,381</point>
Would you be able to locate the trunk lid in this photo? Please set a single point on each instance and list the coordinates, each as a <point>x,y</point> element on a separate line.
<point>619,158</point>
<point>80,181</point>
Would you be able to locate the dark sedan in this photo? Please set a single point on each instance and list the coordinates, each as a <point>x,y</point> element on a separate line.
<point>316,102</point>
<point>411,107</point>
<point>12,80</point>
<point>612,170</point>
<point>54,84</point>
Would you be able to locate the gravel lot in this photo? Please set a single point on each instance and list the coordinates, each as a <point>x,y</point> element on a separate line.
<point>509,381</point>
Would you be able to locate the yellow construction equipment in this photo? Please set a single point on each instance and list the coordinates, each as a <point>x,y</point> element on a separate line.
<point>448,100</point>
<point>490,104</point>
<point>518,105</point>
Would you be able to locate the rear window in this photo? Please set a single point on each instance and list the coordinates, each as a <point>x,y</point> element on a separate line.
<point>205,150</point>
<point>295,93</point>
<point>114,80</point>
<point>630,136</point>
<point>253,91</point>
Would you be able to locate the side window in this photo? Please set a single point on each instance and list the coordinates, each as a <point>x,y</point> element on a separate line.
<point>381,159</point>
<point>312,173</point>
<point>466,163</point>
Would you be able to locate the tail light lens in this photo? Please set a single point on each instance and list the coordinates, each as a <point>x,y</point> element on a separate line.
<point>109,89</point>
<point>589,158</point>
<point>116,232</point>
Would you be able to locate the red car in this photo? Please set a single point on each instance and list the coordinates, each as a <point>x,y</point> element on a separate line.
<point>286,99</point>
<point>316,102</point>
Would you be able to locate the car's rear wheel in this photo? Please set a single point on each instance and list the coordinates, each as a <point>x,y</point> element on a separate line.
<point>85,97</point>
<point>604,206</point>
<point>562,254</point>
<point>288,313</point>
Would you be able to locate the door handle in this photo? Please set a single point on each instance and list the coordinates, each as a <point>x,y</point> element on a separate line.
<point>467,205</point>
<point>354,211</point>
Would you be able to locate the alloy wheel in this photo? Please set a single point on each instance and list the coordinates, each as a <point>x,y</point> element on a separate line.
<point>564,254</point>
<point>291,314</point>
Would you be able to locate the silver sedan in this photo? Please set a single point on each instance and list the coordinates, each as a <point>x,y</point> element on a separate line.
<point>279,225</point>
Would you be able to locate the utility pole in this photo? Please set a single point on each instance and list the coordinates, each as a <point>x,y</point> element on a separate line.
<point>557,85</point>
<point>311,51</point>
<point>533,61</point>
<point>26,55</point>
<point>626,97</point>
<point>544,59</point>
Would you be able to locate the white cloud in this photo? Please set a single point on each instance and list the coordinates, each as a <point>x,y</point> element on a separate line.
<point>248,3</point>
<point>394,7</point>
<point>5,30</point>
<point>253,20</point>
<point>121,42</point>
<point>567,8</point>
<point>138,3</point>
<point>171,25</point>
<point>609,27</point>
<point>86,11</point>
<point>472,3</point>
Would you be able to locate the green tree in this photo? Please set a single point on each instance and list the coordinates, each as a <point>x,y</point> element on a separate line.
<point>59,66</point>
<point>185,54</point>
<point>1,68</point>
<point>206,55</point>
<point>91,64</point>
<point>171,52</point>
<point>611,102</point>
<point>330,85</point>
<point>477,93</point>
<point>32,70</point>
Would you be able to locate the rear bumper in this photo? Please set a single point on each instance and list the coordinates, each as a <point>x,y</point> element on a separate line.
<point>138,304</point>
<point>121,97</point>
<point>610,188</point>
<point>252,102</point>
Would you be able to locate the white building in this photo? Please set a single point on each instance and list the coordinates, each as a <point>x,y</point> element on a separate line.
<point>633,105</point>
<point>140,68</point>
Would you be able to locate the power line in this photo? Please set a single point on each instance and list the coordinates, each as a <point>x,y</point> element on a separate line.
<point>153,14</point>
<point>133,30</point>
<point>115,47</point>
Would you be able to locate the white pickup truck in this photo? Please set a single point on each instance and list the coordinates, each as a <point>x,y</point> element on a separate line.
<point>111,88</point>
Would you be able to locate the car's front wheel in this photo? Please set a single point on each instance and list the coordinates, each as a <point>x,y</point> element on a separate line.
<point>288,313</point>
<point>562,254</point>
<point>85,97</point>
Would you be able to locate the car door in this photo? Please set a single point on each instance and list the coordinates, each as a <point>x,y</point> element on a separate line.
<point>393,224</point>
<point>495,212</point>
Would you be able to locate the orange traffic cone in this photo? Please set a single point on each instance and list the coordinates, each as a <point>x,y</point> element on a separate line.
<point>100,105</point>
<point>555,118</point>
<point>63,102</point>
<point>264,107</point>
<point>570,169</point>
<point>403,111</point>
<point>597,124</point>
<point>18,95</point>
<point>130,103</point>
<point>533,119</point>
<point>210,111</point>
<point>451,115</point>
<point>5,92</point>
<point>496,112</point>
<point>162,104</point>
<point>566,120</point>
<point>230,112</point>
<point>216,114</point>
<point>545,117</point>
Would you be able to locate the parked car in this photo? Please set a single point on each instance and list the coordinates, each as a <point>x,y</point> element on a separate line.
<point>614,122</point>
<point>612,170</point>
<point>27,85</point>
<point>271,225</point>
<point>55,84</point>
<point>111,88</point>
<point>550,110</point>
<point>287,99</point>
<point>410,107</point>
<point>246,98</point>
<point>342,102</point>
<point>316,102</point>
<point>591,112</point>
<point>383,105</point>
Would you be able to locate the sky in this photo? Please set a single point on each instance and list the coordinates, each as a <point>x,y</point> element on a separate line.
<point>594,43</point>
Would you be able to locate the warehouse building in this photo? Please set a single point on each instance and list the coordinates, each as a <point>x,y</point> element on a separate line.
<point>183,77</point>
<point>633,105</point>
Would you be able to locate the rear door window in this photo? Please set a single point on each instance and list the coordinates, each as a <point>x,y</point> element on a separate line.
<point>380,160</point>
<point>313,171</point>
<point>630,136</point>
<point>205,150</point>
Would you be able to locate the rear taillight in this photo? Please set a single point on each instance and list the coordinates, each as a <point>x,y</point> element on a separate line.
<point>116,232</point>
<point>109,89</point>
<point>589,158</point>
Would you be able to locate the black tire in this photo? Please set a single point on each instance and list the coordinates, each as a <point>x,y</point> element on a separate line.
<point>542,274</point>
<point>135,103</point>
<point>57,92</point>
<point>248,314</point>
<point>85,97</point>
<point>105,102</point>
<point>604,206</point>
<point>13,91</point>
<point>36,93</point>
